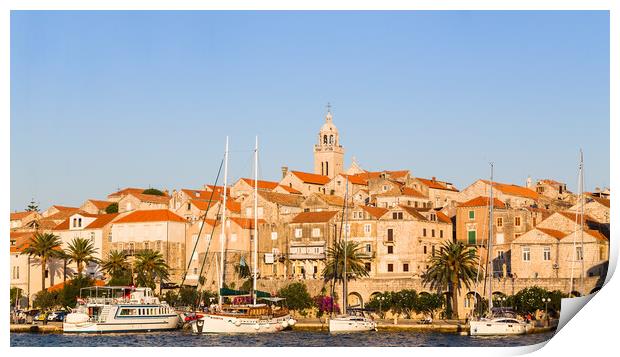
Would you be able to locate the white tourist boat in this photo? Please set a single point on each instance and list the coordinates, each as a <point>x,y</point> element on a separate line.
<point>353,320</point>
<point>247,318</point>
<point>494,323</point>
<point>120,309</point>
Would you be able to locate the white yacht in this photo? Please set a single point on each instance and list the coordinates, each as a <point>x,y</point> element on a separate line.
<point>494,323</point>
<point>120,309</point>
<point>353,321</point>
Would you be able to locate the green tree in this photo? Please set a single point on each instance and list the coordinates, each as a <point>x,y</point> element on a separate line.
<point>112,208</point>
<point>453,268</point>
<point>32,206</point>
<point>429,303</point>
<point>46,300</point>
<point>116,266</point>
<point>153,191</point>
<point>335,262</point>
<point>530,299</point>
<point>81,251</point>
<point>297,296</point>
<point>149,265</point>
<point>405,301</point>
<point>16,293</point>
<point>381,302</point>
<point>45,246</point>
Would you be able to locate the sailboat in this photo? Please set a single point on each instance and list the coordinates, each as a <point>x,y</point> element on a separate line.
<point>247,318</point>
<point>495,322</point>
<point>579,220</point>
<point>353,320</point>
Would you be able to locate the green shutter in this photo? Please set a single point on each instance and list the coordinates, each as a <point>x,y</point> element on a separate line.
<point>471,237</point>
<point>471,214</point>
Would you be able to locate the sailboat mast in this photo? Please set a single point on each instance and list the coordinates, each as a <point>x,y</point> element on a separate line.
<point>255,255</point>
<point>344,257</point>
<point>223,233</point>
<point>490,245</point>
<point>581,214</point>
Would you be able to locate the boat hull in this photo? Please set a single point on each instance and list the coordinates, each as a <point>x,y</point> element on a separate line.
<point>495,328</point>
<point>348,325</point>
<point>214,323</point>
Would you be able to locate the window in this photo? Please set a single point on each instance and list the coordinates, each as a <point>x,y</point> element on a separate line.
<point>526,254</point>
<point>471,237</point>
<point>367,266</point>
<point>433,217</point>
<point>390,235</point>
<point>384,188</point>
<point>433,251</point>
<point>441,233</point>
<point>579,253</point>
<point>368,248</point>
<point>397,215</point>
<point>260,212</point>
<point>298,232</point>
<point>424,249</point>
<point>390,249</point>
<point>601,254</point>
<point>405,267</point>
<point>500,221</point>
<point>75,222</point>
<point>400,215</point>
<point>433,233</point>
<point>248,211</point>
<point>500,255</point>
<point>47,273</point>
<point>472,215</point>
<point>423,232</point>
<point>367,228</point>
<point>316,232</point>
<point>390,268</point>
<point>517,221</point>
<point>547,253</point>
<point>274,235</point>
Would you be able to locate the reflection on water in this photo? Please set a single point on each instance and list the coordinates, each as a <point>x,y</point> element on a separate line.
<point>288,338</point>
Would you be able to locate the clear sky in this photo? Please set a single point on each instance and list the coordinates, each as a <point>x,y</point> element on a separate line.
<point>101,100</point>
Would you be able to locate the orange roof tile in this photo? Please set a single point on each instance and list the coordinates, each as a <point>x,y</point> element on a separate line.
<point>356,179</point>
<point>282,199</point>
<point>246,223</point>
<point>233,206</point>
<point>65,208</point>
<point>156,215</point>
<point>20,215</point>
<point>311,178</point>
<point>21,239</point>
<point>443,217</point>
<point>151,198</point>
<point>102,220</point>
<point>552,232</point>
<point>262,185</point>
<point>376,212</point>
<point>218,189</point>
<point>513,190</point>
<point>596,234</point>
<point>482,202</point>
<point>408,191</point>
<point>126,191</point>
<point>314,217</point>
<point>414,212</point>
<point>100,204</point>
<point>573,216</point>
<point>203,205</point>
<point>63,226</point>
<point>432,183</point>
<point>290,190</point>
<point>605,202</point>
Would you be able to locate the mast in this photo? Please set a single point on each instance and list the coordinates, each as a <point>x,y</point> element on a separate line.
<point>582,215</point>
<point>344,271</point>
<point>223,233</point>
<point>579,219</point>
<point>255,255</point>
<point>490,245</point>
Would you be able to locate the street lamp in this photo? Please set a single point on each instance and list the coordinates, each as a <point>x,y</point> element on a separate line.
<point>381,298</point>
<point>546,301</point>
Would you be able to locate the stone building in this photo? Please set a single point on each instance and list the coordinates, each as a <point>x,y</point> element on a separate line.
<point>512,195</point>
<point>317,202</point>
<point>552,189</point>
<point>245,187</point>
<point>439,193</point>
<point>140,201</point>
<point>362,228</point>
<point>595,207</point>
<point>273,207</point>
<point>23,220</point>
<point>342,182</point>
<point>95,206</point>
<point>402,195</point>
<point>328,153</point>
<point>305,182</point>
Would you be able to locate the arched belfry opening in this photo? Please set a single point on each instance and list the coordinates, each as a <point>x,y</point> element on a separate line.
<point>328,153</point>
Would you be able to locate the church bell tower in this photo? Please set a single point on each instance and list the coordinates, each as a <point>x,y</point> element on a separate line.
<point>328,153</point>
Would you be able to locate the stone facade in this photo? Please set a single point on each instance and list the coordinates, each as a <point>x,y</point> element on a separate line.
<point>328,153</point>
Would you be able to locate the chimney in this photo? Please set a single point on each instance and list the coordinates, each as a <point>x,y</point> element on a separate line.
<point>166,192</point>
<point>284,171</point>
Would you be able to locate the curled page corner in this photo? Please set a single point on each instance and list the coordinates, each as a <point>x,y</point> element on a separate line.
<point>570,307</point>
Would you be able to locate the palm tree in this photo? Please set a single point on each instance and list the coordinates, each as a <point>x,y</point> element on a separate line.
<point>151,264</point>
<point>81,251</point>
<point>116,264</point>
<point>335,263</point>
<point>45,246</point>
<point>453,268</point>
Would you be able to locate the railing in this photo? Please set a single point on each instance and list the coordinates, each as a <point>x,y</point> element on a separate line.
<point>306,256</point>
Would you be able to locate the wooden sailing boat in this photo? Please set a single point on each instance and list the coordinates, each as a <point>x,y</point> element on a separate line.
<point>247,318</point>
<point>352,320</point>
<point>494,323</point>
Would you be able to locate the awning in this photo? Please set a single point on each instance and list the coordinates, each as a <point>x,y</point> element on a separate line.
<point>231,292</point>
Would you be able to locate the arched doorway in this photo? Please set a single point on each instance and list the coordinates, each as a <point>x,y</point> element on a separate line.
<point>355,300</point>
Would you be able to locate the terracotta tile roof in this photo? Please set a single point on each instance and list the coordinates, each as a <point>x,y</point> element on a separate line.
<point>200,194</point>
<point>398,173</point>
<point>63,226</point>
<point>435,184</point>
<point>549,182</point>
<point>246,223</point>
<point>443,217</point>
<point>331,200</point>
<point>151,198</point>
<point>414,212</point>
<point>262,185</point>
<point>357,179</point>
<point>596,234</point>
<point>314,217</point>
<point>482,202</point>
<point>102,220</point>
<point>311,178</point>
<point>20,215</point>
<point>21,239</point>
<point>126,191</point>
<point>233,206</point>
<point>408,191</point>
<point>513,190</point>
<point>65,208</point>
<point>573,216</point>
<point>203,205</point>
<point>218,189</point>
<point>59,286</point>
<point>282,199</point>
<point>605,202</point>
<point>552,232</point>
<point>155,215</point>
<point>376,212</point>
<point>61,215</point>
<point>100,204</point>
<point>47,224</point>
<point>291,190</point>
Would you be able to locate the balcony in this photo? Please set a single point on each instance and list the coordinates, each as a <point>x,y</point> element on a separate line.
<point>301,256</point>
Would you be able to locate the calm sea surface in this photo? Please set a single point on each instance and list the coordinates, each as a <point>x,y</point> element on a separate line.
<point>289,338</point>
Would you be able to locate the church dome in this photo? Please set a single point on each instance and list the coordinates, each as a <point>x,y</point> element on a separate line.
<point>328,126</point>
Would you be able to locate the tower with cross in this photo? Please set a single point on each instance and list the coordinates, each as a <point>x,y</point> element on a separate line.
<point>328,153</point>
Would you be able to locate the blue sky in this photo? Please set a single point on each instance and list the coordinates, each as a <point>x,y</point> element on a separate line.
<point>101,100</point>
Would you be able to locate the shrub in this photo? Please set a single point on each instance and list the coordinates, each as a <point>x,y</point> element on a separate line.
<point>112,208</point>
<point>297,296</point>
<point>153,191</point>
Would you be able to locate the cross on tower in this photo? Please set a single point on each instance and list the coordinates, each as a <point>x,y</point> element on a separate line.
<point>329,107</point>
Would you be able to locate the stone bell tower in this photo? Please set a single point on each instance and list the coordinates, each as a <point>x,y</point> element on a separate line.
<point>328,153</point>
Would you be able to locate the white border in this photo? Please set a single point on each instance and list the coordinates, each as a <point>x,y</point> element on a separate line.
<point>593,329</point>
